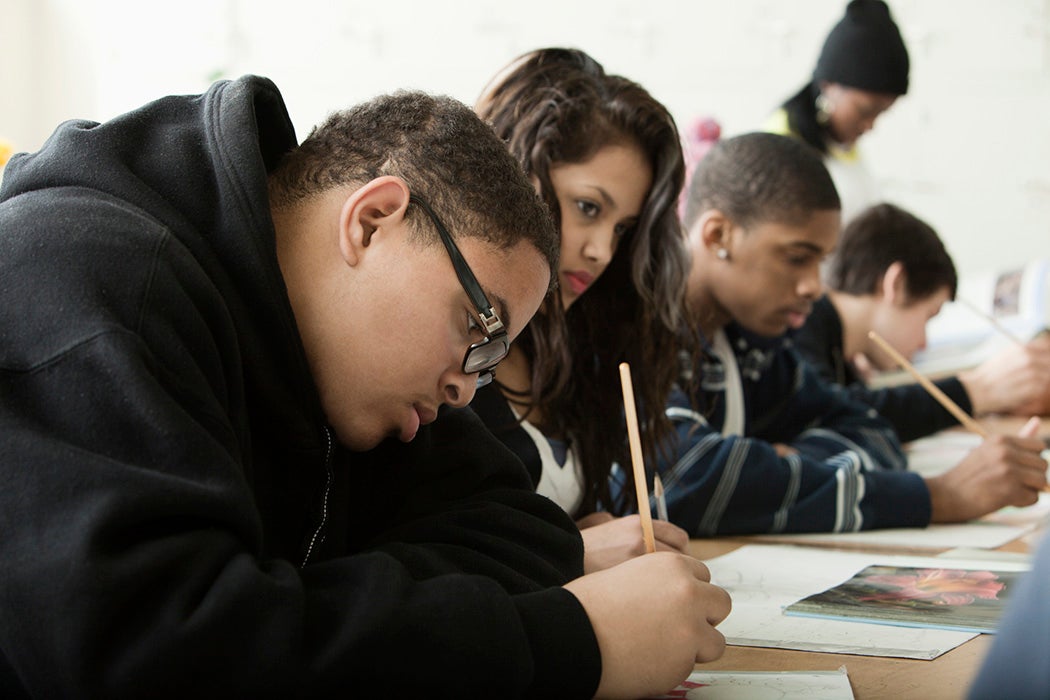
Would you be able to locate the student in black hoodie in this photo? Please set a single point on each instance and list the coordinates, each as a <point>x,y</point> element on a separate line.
<point>221,353</point>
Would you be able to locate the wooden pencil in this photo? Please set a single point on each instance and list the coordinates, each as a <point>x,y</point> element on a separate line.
<point>638,465</point>
<point>661,498</point>
<point>992,320</point>
<point>962,416</point>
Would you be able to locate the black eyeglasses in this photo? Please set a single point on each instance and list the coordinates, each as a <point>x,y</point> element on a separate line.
<point>482,356</point>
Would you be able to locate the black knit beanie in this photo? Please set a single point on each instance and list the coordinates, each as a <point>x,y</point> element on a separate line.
<point>865,51</point>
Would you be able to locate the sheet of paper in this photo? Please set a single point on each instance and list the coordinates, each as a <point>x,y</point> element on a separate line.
<point>934,537</point>
<point>764,579</point>
<point>763,685</point>
<point>991,556</point>
<point>991,531</point>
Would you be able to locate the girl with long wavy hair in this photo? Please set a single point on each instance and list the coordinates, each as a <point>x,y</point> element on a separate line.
<point>606,157</point>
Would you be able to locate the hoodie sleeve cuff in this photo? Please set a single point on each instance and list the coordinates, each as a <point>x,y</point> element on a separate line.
<point>567,662</point>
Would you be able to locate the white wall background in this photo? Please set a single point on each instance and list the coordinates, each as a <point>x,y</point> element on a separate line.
<point>968,149</point>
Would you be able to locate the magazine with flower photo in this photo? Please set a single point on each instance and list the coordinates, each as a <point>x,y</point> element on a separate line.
<point>958,599</point>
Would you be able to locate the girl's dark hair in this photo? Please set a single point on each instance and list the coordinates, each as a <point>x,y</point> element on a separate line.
<point>555,106</point>
<point>801,110</point>
<point>882,235</point>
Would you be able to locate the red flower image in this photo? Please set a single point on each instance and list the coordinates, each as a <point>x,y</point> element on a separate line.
<point>937,586</point>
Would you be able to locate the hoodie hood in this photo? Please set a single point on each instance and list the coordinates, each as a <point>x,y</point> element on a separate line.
<point>198,165</point>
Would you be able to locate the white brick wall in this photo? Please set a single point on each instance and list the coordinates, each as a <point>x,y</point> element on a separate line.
<point>968,149</point>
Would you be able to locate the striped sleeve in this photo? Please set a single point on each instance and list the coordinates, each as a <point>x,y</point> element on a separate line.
<point>837,481</point>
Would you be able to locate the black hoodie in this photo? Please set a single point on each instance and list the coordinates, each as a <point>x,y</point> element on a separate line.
<point>175,517</point>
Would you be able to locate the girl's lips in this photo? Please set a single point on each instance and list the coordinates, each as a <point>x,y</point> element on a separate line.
<point>579,281</point>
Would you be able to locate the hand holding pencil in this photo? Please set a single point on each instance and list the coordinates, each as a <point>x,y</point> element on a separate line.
<point>654,616</point>
<point>1001,471</point>
<point>1016,380</point>
<point>608,540</point>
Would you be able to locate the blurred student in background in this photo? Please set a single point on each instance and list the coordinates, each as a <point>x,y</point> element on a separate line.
<point>891,274</point>
<point>861,71</point>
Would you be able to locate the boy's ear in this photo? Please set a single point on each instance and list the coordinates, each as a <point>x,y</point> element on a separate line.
<point>378,205</point>
<point>893,287</point>
<point>714,230</point>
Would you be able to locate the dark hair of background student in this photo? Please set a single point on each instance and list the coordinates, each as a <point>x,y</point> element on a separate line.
<point>882,235</point>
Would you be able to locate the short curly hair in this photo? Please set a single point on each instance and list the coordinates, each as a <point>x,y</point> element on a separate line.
<point>761,177</point>
<point>442,150</point>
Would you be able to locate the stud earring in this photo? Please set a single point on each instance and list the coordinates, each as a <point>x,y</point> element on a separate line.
<point>824,109</point>
<point>722,254</point>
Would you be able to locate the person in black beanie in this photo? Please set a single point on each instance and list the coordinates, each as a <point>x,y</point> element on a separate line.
<point>861,71</point>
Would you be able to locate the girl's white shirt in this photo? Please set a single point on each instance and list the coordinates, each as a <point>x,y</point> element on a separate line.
<point>562,483</point>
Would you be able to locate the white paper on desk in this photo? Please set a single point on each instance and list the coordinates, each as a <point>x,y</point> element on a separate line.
<point>934,537</point>
<point>740,685</point>
<point>991,531</point>
<point>764,579</point>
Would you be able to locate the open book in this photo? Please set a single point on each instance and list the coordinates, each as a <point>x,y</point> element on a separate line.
<point>961,337</point>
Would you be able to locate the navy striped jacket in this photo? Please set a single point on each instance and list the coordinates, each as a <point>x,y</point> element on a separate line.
<point>847,471</point>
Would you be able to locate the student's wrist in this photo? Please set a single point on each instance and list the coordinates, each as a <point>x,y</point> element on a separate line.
<point>941,501</point>
<point>973,382</point>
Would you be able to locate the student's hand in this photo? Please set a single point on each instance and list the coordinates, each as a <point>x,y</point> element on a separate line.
<point>654,618</point>
<point>610,541</point>
<point>594,519</point>
<point>1016,380</point>
<point>783,450</point>
<point>1001,471</point>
